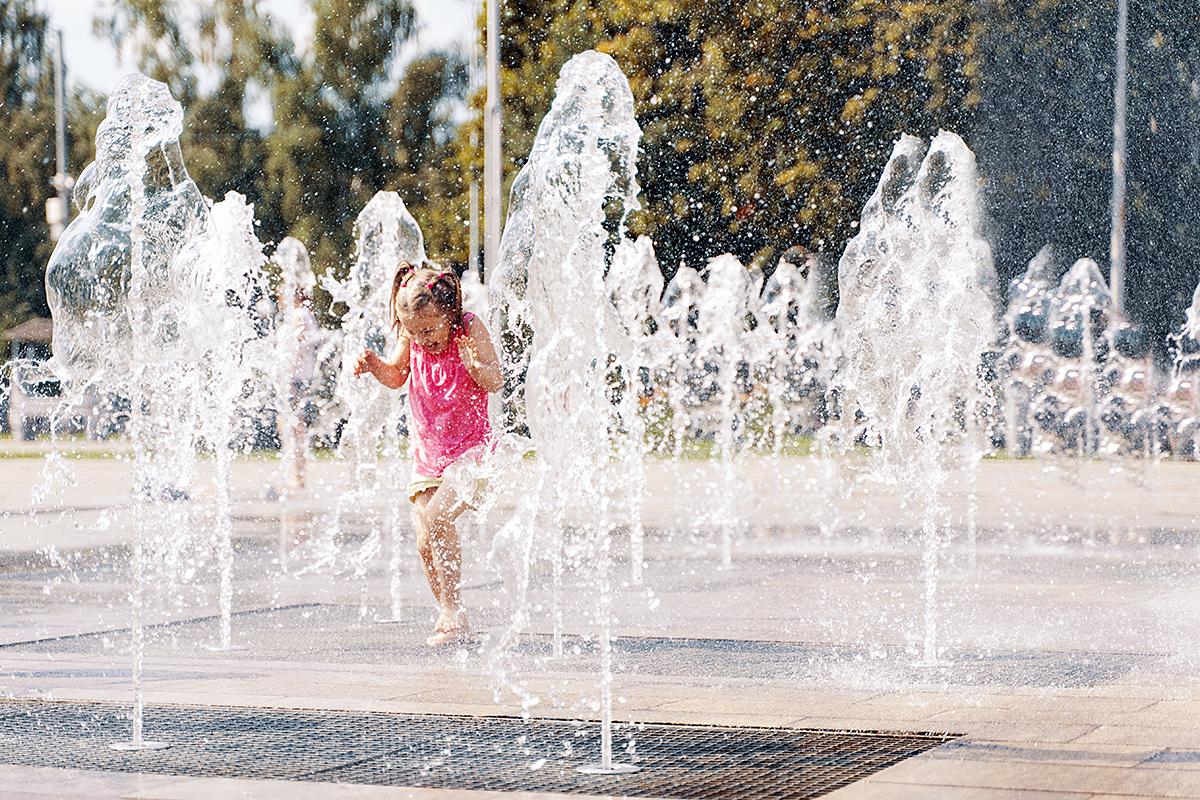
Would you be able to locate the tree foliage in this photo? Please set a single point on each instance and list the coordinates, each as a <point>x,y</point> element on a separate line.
<point>343,126</point>
<point>27,163</point>
<point>766,122</point>
<point>1045,133</point>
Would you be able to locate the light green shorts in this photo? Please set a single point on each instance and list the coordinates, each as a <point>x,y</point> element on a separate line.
<point>421,483</point>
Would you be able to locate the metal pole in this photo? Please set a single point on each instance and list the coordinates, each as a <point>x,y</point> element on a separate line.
<point>1116,276</point>
<point>473,254</point>
<point>492,170</point>
<point>60,138</point>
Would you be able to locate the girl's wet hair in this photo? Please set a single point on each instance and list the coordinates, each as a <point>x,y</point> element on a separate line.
<point>424,285</point>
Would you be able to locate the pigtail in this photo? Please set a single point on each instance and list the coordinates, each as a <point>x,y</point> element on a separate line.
<point>404,273</point>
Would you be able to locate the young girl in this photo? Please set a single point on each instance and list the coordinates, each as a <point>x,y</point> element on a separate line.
<point>448,359</point>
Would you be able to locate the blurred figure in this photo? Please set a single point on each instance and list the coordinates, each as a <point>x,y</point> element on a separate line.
<point>301,332</point>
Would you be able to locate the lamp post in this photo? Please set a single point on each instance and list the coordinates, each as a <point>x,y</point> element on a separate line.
<point>492,171</point>
<point>473,262</point>
<point>1116,275</point>
<point>58,209</point>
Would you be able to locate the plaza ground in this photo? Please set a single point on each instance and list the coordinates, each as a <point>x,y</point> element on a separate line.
<point>1068,630</point>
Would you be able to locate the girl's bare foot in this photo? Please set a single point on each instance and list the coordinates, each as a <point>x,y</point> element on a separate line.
<point>451,628</point>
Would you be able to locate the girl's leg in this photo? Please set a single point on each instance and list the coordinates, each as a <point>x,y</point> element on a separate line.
<point>425,544</point>
<point>299,446</point>
<point>440,513</point>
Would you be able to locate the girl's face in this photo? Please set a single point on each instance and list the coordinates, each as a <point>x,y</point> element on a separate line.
<point>427,327</point>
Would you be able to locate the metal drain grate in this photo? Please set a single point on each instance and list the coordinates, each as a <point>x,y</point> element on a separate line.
<point>485,753</point>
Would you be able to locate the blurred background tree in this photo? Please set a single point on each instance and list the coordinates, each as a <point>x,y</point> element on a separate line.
<point>1044,140</point>
<point>766,121</point>
<point>27,156</point>
<point>27,134</point>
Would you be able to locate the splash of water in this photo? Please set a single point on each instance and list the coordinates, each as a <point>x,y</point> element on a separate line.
<point>1182,397</point>
<point>915,318</point>
<point>797,347</point>
<point>237,362</point>
<point>296,360</point>
<point>1081,310</point>
<point>1026,360</point>
<point>548,298</point>
<point>386,235</point>
<point>152,292</point>
<point>635,286</point>
<point>121,279</point>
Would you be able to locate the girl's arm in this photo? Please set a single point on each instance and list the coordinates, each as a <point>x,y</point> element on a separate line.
<point>479,356</point>
<point>391,374</point>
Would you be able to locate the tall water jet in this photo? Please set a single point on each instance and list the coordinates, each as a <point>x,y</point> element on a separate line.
<point>796,345</point>
<point>679,365</point>
<point>475,294</point>
<point>551,309</point>
<point>1025,362</point>
<point>238,360</point>
<point>1182,399</point>
<point>1080,314</point>
<point>386,234</point>
<point>915,317</point>
<point>131,305</point>
<point>725,311</point>
<point>298,356</point>
<point>635,287</point>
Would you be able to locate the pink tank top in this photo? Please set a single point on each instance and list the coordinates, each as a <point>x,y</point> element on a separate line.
<point>448,409</point>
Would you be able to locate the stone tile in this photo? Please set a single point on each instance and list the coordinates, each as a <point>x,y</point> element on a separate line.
<point>741,705</point>
<point>1171,713</point>
<point>880,723</point>
<point>968,716</point>
<point>1174,758</point>
<point>44,782</point>
<point>1044,752</point>
<point>666,716</point>
<point>948,701</point>
<point>1027,776</point>
<point>1158,736</point>
<point>872,789</point>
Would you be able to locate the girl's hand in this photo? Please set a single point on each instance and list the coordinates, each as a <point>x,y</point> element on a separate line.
<point>479,357</point>
<point>369,361</point>
<point>468,353</point>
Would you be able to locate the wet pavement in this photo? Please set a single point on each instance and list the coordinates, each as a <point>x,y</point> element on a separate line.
<point>1067,625</point>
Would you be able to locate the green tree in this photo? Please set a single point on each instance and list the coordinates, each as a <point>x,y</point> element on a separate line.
<point>160,43</point>
<point>428,173</point>
<point>1045,136</point>
<point>27,134</point>
<point>242,54</point>
<point>325,152</point>
<point>765,121</point>
<point>329,151</point>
